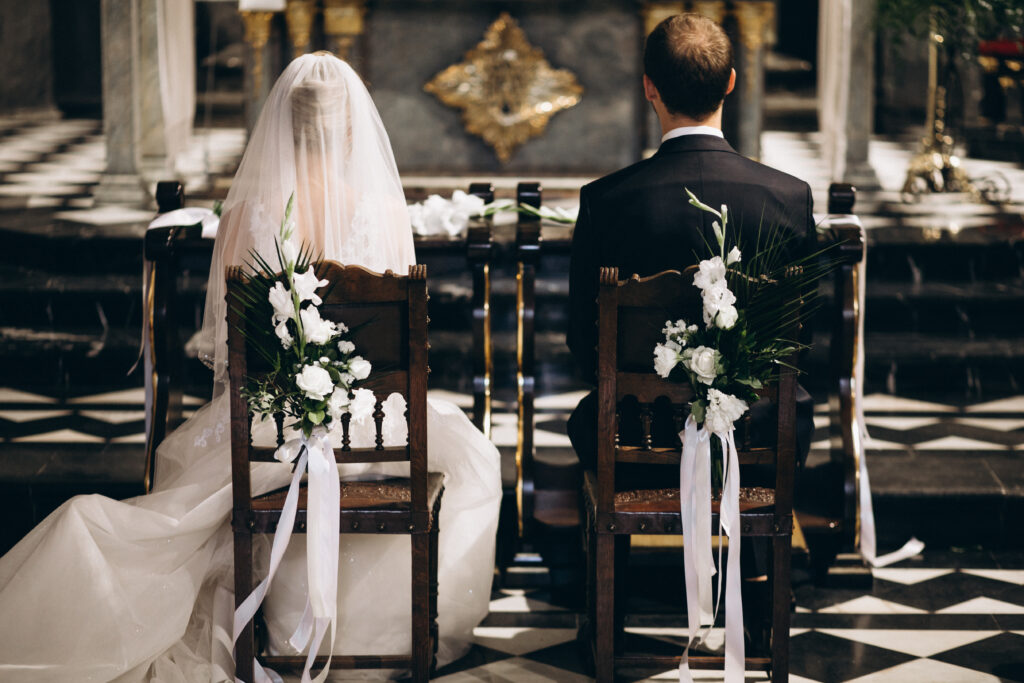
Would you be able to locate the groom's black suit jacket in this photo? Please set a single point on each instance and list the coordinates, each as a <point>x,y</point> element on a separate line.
<point>640,220</point>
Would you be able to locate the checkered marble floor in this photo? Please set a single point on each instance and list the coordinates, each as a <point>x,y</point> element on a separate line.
<point>56,163</point>
<point>946,616</point>
<point>941,618</point>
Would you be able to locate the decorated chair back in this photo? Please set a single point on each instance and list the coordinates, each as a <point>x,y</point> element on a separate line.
<point>640,414</point>
<point>387,318</point>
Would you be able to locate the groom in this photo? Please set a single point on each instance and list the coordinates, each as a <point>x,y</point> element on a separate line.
<point>639,218</point>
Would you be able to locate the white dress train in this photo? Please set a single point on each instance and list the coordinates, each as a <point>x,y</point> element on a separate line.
<point>141,589</point>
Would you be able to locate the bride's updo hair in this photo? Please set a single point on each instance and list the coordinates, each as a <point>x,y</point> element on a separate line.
<point>318,104</point>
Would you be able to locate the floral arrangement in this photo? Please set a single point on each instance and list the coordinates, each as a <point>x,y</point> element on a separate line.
<point>450,217</point>
<point>313,367</point>
<point>748,308</point>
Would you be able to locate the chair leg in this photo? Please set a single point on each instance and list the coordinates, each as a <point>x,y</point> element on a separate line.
<point>604,607</point>
<point>621,586</point>
<point>782,549</point>
<point>420,608</point>
<point>434,633</point>
<point>245,647</point>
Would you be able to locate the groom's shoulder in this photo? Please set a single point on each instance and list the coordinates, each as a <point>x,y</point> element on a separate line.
<point>616,179</point>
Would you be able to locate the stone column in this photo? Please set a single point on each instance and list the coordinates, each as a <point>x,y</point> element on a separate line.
<point>152,141</point>
<point>344,26</point>
<point>754,26</point>
<point>121,184</point>
<point>261,62</point>
<point>846,60</point>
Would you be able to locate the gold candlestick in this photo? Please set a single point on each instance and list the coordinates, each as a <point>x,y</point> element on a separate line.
<point>257,33</point>
<point>344,21</point>
<point>298,15</point>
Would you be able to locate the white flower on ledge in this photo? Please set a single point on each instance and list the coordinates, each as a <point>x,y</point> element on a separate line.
<point>439,216</point>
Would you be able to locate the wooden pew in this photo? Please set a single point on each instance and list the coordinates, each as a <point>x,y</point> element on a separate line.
<point>480,256</point>
<point>527,253</point>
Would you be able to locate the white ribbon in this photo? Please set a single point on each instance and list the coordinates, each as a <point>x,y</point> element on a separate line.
<point>861,439</point>
<point>322,540</point>
<point>698,558</point>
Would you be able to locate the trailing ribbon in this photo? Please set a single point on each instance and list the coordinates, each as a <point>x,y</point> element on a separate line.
<point>861,439</point>
<point>698,558</point>
<point>324,497</point>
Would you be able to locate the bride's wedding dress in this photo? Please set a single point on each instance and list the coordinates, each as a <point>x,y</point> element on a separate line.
<point>141,589</point>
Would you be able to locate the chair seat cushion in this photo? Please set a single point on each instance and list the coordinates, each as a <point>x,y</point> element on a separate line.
<point>667,499</point>
<point>380,494</point>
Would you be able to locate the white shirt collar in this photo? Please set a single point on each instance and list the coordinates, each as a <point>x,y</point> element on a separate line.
<point>691,130</point>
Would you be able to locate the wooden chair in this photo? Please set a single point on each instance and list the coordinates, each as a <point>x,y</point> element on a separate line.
<point>388,314</point>
<point>631,316</point>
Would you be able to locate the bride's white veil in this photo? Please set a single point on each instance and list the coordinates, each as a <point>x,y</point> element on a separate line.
<point>319,136</point>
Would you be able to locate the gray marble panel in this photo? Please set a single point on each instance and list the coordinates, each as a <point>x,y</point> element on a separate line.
<point>408,43</point>
<point>26,55</point>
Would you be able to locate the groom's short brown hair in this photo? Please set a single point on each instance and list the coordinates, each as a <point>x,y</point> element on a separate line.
<point>688,58</point>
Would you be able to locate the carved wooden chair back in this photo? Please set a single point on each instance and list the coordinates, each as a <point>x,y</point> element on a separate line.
<point>631,316</point>
<point>387,316</point>
<point>639,413</point>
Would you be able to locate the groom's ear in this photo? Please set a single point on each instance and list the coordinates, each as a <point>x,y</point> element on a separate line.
<point>650,92</point>
<point>732,81</point>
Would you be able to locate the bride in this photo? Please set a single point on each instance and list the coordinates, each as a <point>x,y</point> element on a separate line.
<point>141,589</point>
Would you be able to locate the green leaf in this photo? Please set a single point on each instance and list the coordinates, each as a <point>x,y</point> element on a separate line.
<point>316,416</point>
<point>697,410</point>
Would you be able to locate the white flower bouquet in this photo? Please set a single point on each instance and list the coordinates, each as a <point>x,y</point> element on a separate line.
<point>313,368</point>
<point>750,310</point>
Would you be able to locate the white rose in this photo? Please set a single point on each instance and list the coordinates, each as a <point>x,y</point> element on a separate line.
<point>722,412</point>
<point>665,358</point>
<point>306,285</point>
<point>735,256</point>
<point>315,329</point>
<point>284,335</point>
<point>338,404</point>
<point>704,363</point>
<point>359,367</point>
<point>281,300</point>
<point>726,317</point>
<point>289,253</point>
<point>315,382</point>
<point>345,346</point>
<point>709,272</point>
<point>363,404</point>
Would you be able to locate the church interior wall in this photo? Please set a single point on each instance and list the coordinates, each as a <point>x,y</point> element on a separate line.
<point>407,43</point>
<point>25,52</point>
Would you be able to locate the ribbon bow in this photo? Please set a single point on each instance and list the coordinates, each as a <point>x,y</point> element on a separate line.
<point>698,559</point>
<point>324,499</point>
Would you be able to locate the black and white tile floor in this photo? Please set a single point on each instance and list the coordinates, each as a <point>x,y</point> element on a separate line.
<point>54,164</point>
<point>940,618</point>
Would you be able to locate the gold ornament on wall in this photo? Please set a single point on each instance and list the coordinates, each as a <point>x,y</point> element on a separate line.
<point>506,88</point>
